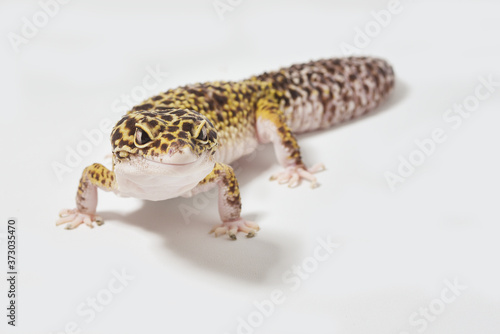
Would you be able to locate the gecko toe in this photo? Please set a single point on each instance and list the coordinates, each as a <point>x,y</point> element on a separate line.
<point>66,212</point>
<point>87,221</point>
<point>294,181</point>
<point>65,219</point>
<point>220,231</point>
<point>293,175</point>
<point>252,225</point>
<point>319,167</point>
<point>232,228</point>
<point>99,221</point>
<point>74,218</point>
<point>232,233</point>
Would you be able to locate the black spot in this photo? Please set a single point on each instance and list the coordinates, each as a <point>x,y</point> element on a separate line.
<point>182,134</point>
<point>115,136</point>
<point>172,128</point>
<point>212,135</point>
<point>130,125</point>
<point>195,92</point>
<point>210,104</point>
<point>169,136</point>
<point>153,123</point>
<point>220,118</point>
<point>220,89</point>
<point>187,127</point>
<point>352,77</point>
<point>179,112</point>
<point>210,123</point>
<point>220,99</point>
<point>167,118</point>
<point>156,98</point>
<point>287,101</point>
<point>145,106</point>
<point>164,147</point>
<point>120,122</point>
<point>293,93</point>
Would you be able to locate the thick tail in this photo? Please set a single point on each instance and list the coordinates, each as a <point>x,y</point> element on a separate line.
<point>324,93</point>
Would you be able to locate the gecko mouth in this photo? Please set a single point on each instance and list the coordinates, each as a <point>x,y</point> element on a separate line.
<point>170,163</point>
<point>178,159</point>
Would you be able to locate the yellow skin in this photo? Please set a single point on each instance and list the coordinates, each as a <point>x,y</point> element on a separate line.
<point>180,142</point>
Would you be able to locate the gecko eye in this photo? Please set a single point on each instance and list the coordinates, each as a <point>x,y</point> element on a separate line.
<point>200,132</point>
<point>141,138</point>
<point>202,135</point>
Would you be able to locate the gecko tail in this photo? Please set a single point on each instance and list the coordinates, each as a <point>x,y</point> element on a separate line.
<point>327,92</point>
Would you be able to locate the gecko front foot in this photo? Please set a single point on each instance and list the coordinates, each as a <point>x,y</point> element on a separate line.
<point>231,228</point>
<point>75,218</point>
<point>293,175</point>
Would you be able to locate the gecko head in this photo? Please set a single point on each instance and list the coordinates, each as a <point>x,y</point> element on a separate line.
<point>150,140</point>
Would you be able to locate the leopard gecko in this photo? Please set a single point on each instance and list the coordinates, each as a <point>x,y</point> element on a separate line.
<point>181,142</point>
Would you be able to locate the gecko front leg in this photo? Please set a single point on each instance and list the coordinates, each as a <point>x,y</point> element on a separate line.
<point>271,127</point>
<point>223,177</point>
<point>93,177</point>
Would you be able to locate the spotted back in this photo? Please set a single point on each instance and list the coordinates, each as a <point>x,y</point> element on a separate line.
<point>327,92</point>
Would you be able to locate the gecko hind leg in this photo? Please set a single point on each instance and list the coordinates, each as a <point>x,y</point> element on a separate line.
<point>271,127</point>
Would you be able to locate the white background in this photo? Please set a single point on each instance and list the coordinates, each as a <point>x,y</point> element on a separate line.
<point>397,248</point>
